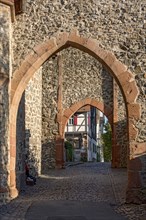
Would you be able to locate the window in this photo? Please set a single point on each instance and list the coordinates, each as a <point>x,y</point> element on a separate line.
<point>71,121</point>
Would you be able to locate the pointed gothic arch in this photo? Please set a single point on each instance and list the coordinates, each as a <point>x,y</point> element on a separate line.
<point>107,111</point>
<point>40,54</point>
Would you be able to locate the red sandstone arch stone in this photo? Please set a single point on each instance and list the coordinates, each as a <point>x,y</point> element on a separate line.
<point>67,113</point>
<point>88,101</point>
<point>45,50</point>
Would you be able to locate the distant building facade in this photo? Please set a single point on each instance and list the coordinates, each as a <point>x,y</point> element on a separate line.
<point>83,131</point>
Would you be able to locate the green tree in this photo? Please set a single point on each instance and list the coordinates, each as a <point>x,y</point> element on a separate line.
<point>107,142</point>
<point>69,151</point>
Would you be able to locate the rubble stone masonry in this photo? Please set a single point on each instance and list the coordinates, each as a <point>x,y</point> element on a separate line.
<point>49,112</point>
<point>5,29</point>
<point>117,26</point>
<point>29,129</point>
<point>5,72</point>
<point>4,140</point>
<point>83,77</point>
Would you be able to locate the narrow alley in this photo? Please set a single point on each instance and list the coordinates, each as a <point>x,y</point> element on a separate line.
<point>87,191</point>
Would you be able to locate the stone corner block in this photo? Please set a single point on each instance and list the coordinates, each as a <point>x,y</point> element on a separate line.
<point>137,149</point>
<point>67,113</point>
<point>61,39</point>
<point>134,111</point>
<point>117,67</point>
<point>131,91</point>
<point>133,131</point>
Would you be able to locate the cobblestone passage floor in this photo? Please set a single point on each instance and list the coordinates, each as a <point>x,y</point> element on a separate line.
<point>84,185</point>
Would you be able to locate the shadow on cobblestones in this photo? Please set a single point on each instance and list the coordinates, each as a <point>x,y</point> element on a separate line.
<point>83,183</point>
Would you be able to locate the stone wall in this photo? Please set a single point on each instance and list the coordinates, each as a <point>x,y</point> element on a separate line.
<point>29,130</point>
<point>33,122</point>
<point>49,112</point>
<point>4,140</point>
<point>121,130</point>
<point>84,76</point>
<point>5,29</point>
<point>141,82</point>
<point>118,27</point>
<point>5,72</point>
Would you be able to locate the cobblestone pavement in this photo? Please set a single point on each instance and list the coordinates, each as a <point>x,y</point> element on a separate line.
<point>95,182</point>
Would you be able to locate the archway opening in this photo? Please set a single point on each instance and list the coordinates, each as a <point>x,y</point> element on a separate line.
<point>88,136</point>
<point>38,57</point>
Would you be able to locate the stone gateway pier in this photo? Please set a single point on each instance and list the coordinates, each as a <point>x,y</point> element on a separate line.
<point>57,57</point>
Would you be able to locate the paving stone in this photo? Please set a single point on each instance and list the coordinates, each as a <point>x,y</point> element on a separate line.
<point>85,184</point>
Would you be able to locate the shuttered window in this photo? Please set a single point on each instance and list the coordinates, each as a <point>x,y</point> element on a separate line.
<point>88,119</point>
<point>71,121</point>
<point>75,120</point>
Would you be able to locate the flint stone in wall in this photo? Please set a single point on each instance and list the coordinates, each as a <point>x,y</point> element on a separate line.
<point>33,121</point>
<point>5,23</point>
<point>29,129</point>
<point>84,76</point>
<point>4,146</point>
<point>49,112</point>
<point>118,27</point>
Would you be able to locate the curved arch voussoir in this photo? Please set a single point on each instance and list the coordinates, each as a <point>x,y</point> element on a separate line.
<point>87,101</point>
<point>43,51</point>
<point>131,92</point>
<point>134,111</point>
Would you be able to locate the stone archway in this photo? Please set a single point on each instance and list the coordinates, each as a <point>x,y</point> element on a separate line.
<point>67,113</point>
<point>88,101</point>
<point>40,54</point>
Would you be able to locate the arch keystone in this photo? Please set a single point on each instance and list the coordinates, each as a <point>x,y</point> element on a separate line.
<point>76,41</point>
<point>87,101</point>
<point>61,39</point>
<point>94,102</point>
<point>74,32</point>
